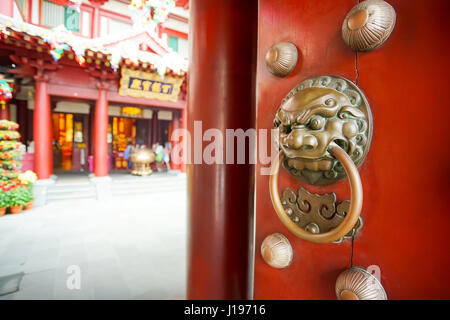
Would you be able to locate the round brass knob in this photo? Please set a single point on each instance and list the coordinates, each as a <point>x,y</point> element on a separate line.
<point>368,25</point>
<point>281,58</point>
<point>357,283</point>
<point>277,251</point>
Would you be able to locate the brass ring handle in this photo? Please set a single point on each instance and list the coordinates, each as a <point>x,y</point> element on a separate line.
<point>356,200</point>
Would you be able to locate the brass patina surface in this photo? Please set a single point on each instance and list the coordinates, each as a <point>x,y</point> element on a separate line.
<point>142,158</point>
<point>317,112</point>
<point>356,283</point>
<point>282,58</point>
<point>313,211</point>
<point>368,25</point>
<point>316,213</point>
<point>358,19</point>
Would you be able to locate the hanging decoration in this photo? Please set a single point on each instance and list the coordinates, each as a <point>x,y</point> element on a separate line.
<point>126,49</point>
<point>3,32</point>
<point>56,38</point>
<point>116,57</point>
<point>150,13</point>
<point>5,90</point>
<point>79,49</point>
<point>173,61</point>
<point>57,50</point>
<point>59,39</point>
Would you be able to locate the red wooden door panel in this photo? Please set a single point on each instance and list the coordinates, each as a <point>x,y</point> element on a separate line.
<point>405,176</point>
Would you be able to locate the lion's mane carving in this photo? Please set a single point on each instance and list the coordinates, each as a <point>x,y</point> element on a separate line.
<point>317,112</point>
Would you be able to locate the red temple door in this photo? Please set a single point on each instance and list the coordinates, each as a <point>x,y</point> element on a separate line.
<point>405,176</point>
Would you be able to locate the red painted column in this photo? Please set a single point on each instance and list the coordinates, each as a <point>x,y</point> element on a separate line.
<point>184,126</point>
<point>221,95</point>
<point>43,158</point>
<point>4,110</point>
<point>6,7</point>
<point>101,132</point>
<point>175,126</point>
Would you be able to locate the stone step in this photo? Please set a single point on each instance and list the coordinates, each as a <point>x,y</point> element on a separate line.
<point>126,183</point>
<point>116,186</point>
<point>71,191</point>
<point>122,186</point>
<point>148,190</point>
<point>57,189</point>
<point>164,182</point>
<point>148,179</point>
<point>70,199</point>
<point>72,195</point>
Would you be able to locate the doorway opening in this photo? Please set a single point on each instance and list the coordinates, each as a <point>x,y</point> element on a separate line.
<point>69,144</point>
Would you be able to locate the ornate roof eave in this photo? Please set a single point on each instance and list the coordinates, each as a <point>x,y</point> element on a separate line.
<point>155,43</point>
<point>95,49</point>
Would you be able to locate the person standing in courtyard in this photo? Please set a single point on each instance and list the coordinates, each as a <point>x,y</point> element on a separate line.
<point>158,149</point>
<point>166,156</point>
<point>127,153</point>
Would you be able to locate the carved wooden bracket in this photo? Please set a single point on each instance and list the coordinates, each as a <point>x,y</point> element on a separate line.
<point>104,78</point>
<point>33,68</point>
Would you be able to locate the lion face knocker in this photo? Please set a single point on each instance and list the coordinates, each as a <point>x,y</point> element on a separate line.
<point>318,112</point>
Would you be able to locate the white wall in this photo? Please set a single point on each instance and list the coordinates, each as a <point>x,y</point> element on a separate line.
<point>16,13</point>
<point>116,6</point>
<point>35,11</point>
<point>177,25</point>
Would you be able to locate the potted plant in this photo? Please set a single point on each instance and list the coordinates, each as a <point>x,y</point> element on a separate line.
<point>29,198</point>
<point>16,200</point>
<point>3,203</point>
<point>27,179</point>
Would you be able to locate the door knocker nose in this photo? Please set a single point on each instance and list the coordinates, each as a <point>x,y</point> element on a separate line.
<point>325,130</point>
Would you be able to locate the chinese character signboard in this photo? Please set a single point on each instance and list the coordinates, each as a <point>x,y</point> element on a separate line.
<point>149,85</point>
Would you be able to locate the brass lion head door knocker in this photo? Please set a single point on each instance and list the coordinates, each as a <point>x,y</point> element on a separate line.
<point>325,130</point>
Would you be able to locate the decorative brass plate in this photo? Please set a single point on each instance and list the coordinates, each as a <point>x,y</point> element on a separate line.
<point>317,112</point>
<point>316,213</point>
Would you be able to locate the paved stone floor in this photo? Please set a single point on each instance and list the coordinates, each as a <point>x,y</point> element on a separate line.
<point>132,247</point>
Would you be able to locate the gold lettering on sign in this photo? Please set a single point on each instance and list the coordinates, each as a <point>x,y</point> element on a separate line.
<point>136,84</point>
<point>156,87</point>
<point>149,85</point>
<point>166,88</point>
<point>146,85</point>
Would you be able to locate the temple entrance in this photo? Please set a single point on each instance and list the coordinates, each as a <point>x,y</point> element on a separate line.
<point>165,131</point>
<point>69,144</point>
<point>73,134</point>
<point>122,131</point>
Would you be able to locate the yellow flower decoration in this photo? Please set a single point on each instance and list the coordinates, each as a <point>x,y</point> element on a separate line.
<point>27,177</point>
